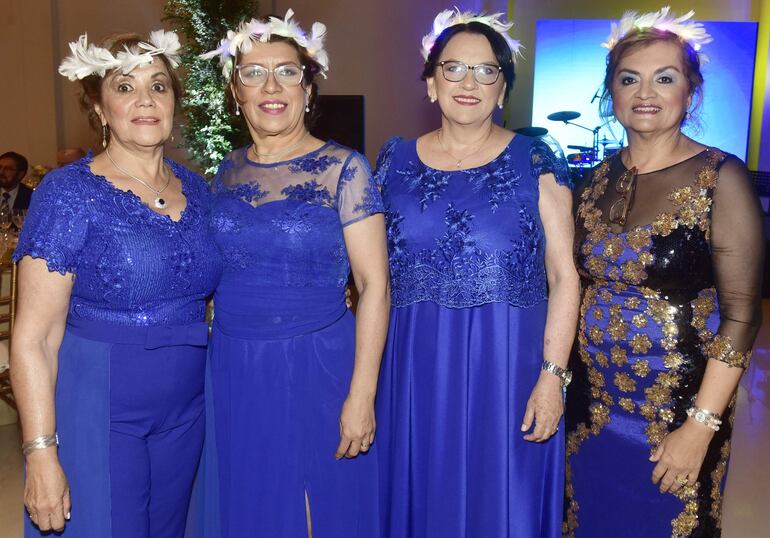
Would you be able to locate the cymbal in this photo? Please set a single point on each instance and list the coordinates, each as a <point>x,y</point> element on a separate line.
<point>531,131</point>
<point>564,115</point>
<point>580,148</point>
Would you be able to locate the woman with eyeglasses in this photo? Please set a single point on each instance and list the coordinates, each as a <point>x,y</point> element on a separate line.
<point>294,373</point>
<point>670,245</point>
<point>484,295</point>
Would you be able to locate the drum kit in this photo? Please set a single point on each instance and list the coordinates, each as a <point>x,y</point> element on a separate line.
<point>583,157</point>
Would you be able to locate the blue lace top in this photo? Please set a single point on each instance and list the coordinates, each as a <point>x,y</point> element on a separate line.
<point>131,265</point>
<point>468,237</point>
<point>280,225</point>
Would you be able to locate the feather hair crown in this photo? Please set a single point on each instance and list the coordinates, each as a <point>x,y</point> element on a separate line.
<point>241,40</point>
<point>691,32</point>
<point>452,17</point>
<point>88,59</point>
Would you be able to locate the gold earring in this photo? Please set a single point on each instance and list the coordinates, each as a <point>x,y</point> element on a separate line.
<point>104,135</point>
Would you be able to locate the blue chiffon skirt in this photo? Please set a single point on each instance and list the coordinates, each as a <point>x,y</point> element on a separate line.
<point>276,407</point>
<point>453,390</point>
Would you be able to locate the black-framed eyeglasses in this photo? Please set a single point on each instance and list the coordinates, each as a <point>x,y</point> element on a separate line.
<point>257,75</point>
<point>455,71</point>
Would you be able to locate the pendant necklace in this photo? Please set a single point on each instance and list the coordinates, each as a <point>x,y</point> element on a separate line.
<point>282,152</point>
<point>460,161</point>
<point>159,202</point>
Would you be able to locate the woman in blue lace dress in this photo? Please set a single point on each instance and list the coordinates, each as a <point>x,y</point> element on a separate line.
<point>109,348</point>
<point>484,299</point>
<point>294,373</point>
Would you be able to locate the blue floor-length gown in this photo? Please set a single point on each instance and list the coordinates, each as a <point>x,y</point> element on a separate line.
<point>129,391</point>
<point>283,345</point>
<point>465,348</point>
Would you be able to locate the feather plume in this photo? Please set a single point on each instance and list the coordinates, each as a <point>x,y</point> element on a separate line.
<point>687,30</point>
<point>242,39</point>
<point>452,17</point>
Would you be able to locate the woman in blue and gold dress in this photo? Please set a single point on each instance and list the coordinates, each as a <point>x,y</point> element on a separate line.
<point>669,244</point>
<point>294,373</point>
<point>484,289</point>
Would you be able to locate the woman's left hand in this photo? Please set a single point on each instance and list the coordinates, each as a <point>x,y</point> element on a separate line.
<point>357,426</point>
<point>680,456</point>
<point>545,407</point>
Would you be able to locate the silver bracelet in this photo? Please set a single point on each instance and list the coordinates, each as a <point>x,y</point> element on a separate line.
<point>39,443</point>
<point>564,375</point>
<point>705,417</point>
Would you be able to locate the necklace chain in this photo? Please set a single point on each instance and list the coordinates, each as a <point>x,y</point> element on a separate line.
<point>159,202</point>
<point>459,162</point>
<point>281,152</point>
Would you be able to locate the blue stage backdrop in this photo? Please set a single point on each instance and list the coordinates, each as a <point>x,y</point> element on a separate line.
<point>569,69</point>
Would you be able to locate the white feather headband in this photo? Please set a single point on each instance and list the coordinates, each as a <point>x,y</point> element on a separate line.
<point>451,17</point>
<point>691,32</point>
<point>87,60</point>
<point>241,40</point>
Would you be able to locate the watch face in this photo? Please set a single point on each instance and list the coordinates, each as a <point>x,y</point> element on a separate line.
<point>700,416</point>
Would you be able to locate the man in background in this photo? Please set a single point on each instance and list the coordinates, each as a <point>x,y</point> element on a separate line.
<point>13,168</point>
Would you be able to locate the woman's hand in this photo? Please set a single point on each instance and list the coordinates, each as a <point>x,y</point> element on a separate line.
<point>545,407</point>
<point>46,491</point>
<point>357,426</point>
<point>680,456</point>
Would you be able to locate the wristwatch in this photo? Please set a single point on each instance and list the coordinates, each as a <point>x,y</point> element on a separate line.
<point>562,373</point>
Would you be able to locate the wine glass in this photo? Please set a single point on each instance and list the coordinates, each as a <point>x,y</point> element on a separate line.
<point>5,223</point>
<point>17,217</point>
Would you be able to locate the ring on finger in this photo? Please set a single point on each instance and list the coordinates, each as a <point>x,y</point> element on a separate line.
<point>682,480</point>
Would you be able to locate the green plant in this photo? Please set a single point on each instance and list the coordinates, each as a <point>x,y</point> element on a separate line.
<point>209,129</point>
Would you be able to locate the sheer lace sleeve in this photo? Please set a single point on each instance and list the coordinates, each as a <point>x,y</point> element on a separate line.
<point>544,161</point>
<point>357,194</point>
<point>383,161</point>
<point>57,223</point>
<point>738,245</point>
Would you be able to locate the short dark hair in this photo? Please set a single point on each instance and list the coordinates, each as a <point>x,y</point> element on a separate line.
<point>500,48</point>
<point>637,39</point>
<point>311,71</point>
<point>92,84</point>
<point>21,161</point>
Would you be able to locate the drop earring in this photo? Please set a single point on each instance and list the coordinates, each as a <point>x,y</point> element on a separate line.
<point>104,135</point>
<point>500,106</point>
<point>237,109</point>
<point>432,99</point>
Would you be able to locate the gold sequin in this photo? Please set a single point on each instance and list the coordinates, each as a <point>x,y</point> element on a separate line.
<point>639,321</point>
<point>624,382</point>
<point>596,265</point>
<point>600,417</point>
<point>639,238</point>
<point>656,432</point>
<point>606,296</point>
<point>646,258</point>
<point>633,271</point>
<point>681,195</point>
<point>601,359</point>
<point>618,355</point>
<point>664,224</point>
<point>627,404</point>
<point>640,343</point>
<point>596,335</point>
<point>598,313</point>
<point>613,247</point>
<point>595,377</point>
<point>641,367</point>
<point>647,410</point>
<point>673,360</point>
<point>658,395</point>
<point>721,349</point>
<point>667,415</point>
<point>632,303</point>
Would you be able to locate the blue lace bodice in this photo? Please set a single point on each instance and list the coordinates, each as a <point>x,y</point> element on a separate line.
<point>131,265</point>
<point>280,225</point>
<point>468,237</point>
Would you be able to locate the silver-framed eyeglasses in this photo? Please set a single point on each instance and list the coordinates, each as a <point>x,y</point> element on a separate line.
<point>257,75</point>
<point>455,71</point>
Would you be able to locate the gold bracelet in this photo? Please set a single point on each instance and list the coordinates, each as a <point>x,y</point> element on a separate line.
<point>721,349</point>
<point>39,443</point>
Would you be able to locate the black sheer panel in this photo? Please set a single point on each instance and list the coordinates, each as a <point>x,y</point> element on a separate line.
<point>738,244</point>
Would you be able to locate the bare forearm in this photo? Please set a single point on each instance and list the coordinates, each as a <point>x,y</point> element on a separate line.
<point>33,375</point>
<point>561,323</point>
<point>718,386</point>
<point>371,330</point>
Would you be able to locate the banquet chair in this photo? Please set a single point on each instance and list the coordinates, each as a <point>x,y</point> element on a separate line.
<point>7,318</point>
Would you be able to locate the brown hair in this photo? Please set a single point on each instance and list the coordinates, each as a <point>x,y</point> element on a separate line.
<point>637,39</point>
<point>311,71</point>
<point>91,85</point>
